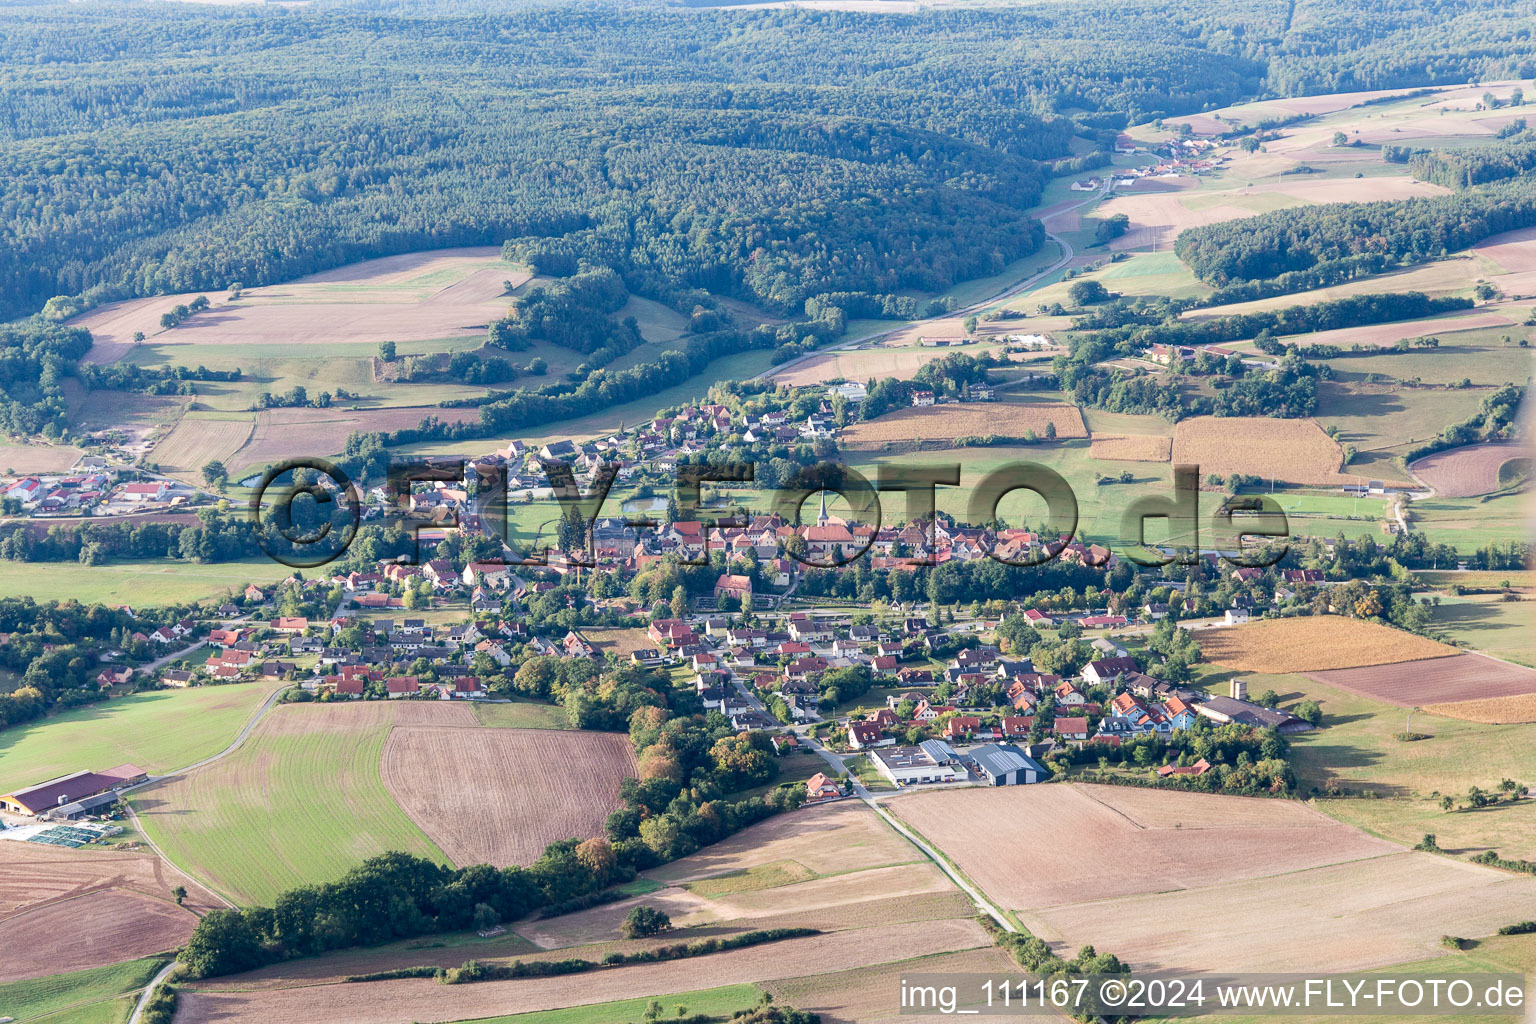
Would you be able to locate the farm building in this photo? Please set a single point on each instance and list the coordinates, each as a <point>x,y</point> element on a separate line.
<point>1006,765</point>
<point>69,789</point>
<point>1223,710</point>
<point>907,766</point>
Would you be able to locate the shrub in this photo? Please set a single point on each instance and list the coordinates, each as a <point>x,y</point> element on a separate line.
<point>643,921</point>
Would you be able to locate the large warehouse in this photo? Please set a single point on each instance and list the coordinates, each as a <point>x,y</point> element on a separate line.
<point>1005,765</point>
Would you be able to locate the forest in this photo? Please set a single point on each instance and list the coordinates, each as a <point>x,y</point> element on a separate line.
<point>1313,238</point>
<point>769,154</point>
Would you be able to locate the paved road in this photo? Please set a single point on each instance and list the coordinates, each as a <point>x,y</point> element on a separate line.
<point>1067,252</point>
<point>154,983</point>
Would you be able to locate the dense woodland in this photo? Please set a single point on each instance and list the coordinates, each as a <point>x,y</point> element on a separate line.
<point>775,155</point>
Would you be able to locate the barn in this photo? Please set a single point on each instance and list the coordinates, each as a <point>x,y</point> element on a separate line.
<point>69,789</point>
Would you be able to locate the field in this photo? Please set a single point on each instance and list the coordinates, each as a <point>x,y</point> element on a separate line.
<point>1466,472</point>
<point>65,910</point>
<point>1062,835</point>
<point>139,584</point>
<point>1490,710</point>
<point>1386,335</point>
<point>499,796</point>
<point>415,296</point>
<point>67,998</point>
<point>1382,419</point>
<point>424,999</point>
<point>36,457</point>
<point>1131,447</point>
<point>1411,683</point>
<point>719,1002</point>
<point>1295,451</point>
<point>521,715</point>
<point>300,802</point>
<point>1508,828</point>
<point>861,364</point>
<point>945,423</point>
<point>283,433</point>
<point>201,438</point>
<point>94,930</point>
<point>1314,644</point>
<point>1178,879</point>
<point>1334,917</point>
<point>1514,251</point>
<point>150,730</point>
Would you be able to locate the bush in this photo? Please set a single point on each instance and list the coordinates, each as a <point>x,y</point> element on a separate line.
<point>1522,928</point>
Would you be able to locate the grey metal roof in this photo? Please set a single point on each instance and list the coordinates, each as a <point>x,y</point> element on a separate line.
<point>999,759</point>
<point>940,751</point>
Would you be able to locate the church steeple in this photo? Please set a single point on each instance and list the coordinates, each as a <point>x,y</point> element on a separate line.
<point>821,519</point>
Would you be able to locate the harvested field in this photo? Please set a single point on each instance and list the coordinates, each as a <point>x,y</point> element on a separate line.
<point>198,440</point>
<point>33,875</point>
<point>1315,643</point>
<point>1387,335</point>
<point>1490,710</point>
<point>281,433</point>
<point>1340,917</point>
<point>37,457</point>
<point>392,1002</point>
<point>1467,472</point>
<point>90,931</point>
<point>944,423</point>
<point>1515,251</point>
<point>1131,448</point>
<point>901,362</point>
<point>867,995</point>
<point>1412,683</point>
<point>447,293</point>
<point>1296,451</point>
<point>1035,846</point>
<point>845,836</point>
<point>499,796</point>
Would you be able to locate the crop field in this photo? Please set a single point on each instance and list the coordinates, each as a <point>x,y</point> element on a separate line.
<point>1514,251</point>
<point>300,802</point>
<point>1467,472</point>
<point>78,997</point>
<point>1131,447</point>
<point>1388,334</point>
<point>93,930</point>
<point>1490,710</point>
<point>1412,683</point>
<point>1334,917</point>
<point>282,433</point>
<point>139,584</point>
<point>499,796</point>
<point>201,438</point>
<point>1314,643</point>
<point>159,731</point>
<point>1033,846</point>
<point>720,1003</point>
<point>388,1002</point>
<point>948,422</point>
<point>1295,451</point>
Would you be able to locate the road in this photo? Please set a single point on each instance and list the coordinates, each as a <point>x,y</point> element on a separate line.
<point>1067,252</point>
<point>154,983</point>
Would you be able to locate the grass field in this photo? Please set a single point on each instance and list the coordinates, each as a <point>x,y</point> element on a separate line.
<point>300,802</point>
<point>521,715</point>
<point>1381,419</point>
<point>1505,629</point>
<point>138,584</point>
<point>159,731</point>
<point>1508,828</point>
<point>79,996</point>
